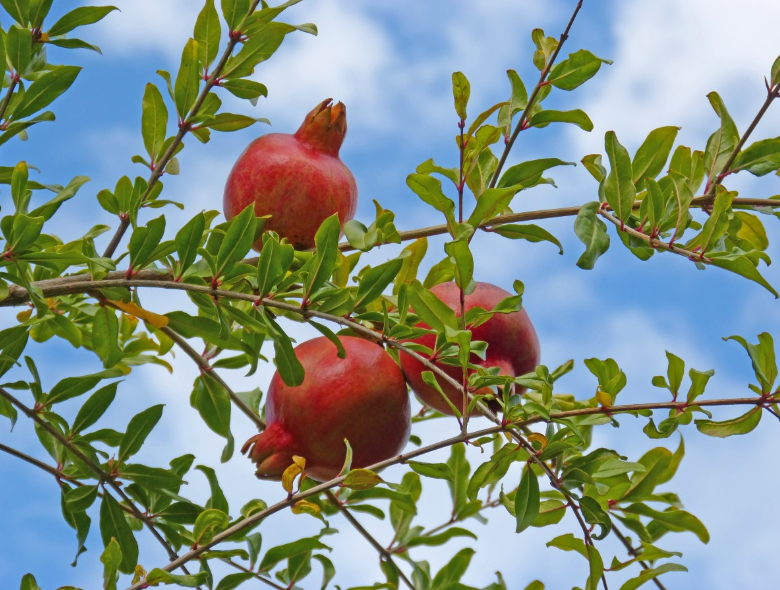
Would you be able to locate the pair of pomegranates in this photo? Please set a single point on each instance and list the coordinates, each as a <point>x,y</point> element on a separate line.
<point>299,181</point>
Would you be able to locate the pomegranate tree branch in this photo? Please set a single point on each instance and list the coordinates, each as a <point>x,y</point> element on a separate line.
<point>59,475</point>
<point>205,367</point>
<point>654,242</point>
<point>184,126</point>
<point>772,93</point>
<point>521,123</point>
<point>459,438</point>
<point>53,287</point>
<point>634,553</point>
<point>103,477</point>
<point>384,554</point>
<point>13,81</point>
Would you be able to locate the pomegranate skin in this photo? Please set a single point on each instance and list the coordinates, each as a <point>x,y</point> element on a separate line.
<point>362,398</point>
<point>297,179</point>
<point>512,344</point>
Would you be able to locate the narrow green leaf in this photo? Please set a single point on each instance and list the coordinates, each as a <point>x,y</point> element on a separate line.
<point>95,406</point>
<point>530,232</point>
<point>651,574</point>
<point>154,121</point>
<point>159,576</point>
<point>114,526</point>
<point>238,239</point>
<point>433,470</point>
<point>138,429</point>
<point>213,404</point>
<point>111,560</point>
<point>460,253</point>
<point>282,552</point>
<point>84,15</point>
<point>527,500</point>
<point>234,12</point>
<point>275,260</point>
<point>45,90</point>
<point>151,478</point>
<point>652,155</point>
<point>576,117</point>
<point>429,190</point>
<point>578,68</point>
<point>376,280</point>
<point>188,240</point>
<point>18,9</point>
<point>619,188</point>
<point>592,232</point>
<point>258,49</point>
<point>740,425</point>
<point>207,34</point>
<point>187,80</point>
<point>324,262</point>
<point>741,265</point>
<point>529,173</point>
<point>461,90</point>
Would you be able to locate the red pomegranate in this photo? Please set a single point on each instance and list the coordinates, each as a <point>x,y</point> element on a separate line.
<point>362,398</point>
<point>298,179</point>
<point>512,344</point>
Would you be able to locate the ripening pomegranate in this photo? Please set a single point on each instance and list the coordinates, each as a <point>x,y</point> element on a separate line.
<point>512,344</point>
<point>298,179</point>
<point>362,398</point>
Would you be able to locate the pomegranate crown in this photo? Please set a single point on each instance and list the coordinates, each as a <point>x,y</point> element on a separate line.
<point>324,127</point>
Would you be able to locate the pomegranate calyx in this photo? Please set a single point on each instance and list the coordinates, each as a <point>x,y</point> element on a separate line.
<point>325,127</point>
<point>272,450</point>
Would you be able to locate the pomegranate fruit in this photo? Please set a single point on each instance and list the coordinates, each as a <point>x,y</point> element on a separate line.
<point>361,398</point>
<point>298,179</point>
<point>512,344</point>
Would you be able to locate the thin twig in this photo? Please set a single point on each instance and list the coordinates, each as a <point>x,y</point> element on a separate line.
<point>204,366</point>
<point>654,242</point>
<point>102,475</point>
<point>184,127</point>
<point>52,287</point>
<point>772,93</point>
<point>384,554</point>
<point>634,553</point>
<point>14,80</point>
<point>532,99</point>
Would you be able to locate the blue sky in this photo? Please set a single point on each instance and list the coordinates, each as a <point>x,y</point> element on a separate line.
<point>390,62</point>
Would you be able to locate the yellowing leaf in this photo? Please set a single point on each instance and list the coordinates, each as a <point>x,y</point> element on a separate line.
<point>289,475</point>
<point>361,479</point>
<point>158,321</point>
<point>537,437</point>
<point>299,461</point>
<point>304,507</point>
<point>603,398</point>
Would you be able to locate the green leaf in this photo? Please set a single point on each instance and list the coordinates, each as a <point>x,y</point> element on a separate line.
<point>432,310</point>
<point>74,44</point>
<point>81,498</point>
<point>530,232</point>
<point>111,560</point>
<point>158,576</point>
<point>18,46</point>
<point>464,262</point>
<point>651,574</point>
<point>144,242</point>
<point>277,554</point>
<point>433,470</point>
<point>741,425</point>
<point>209,523</point>
<point>229,122</point>
<point>741,265</point>
<point>18,9</point>
<point>138,429</point>
<point>238,239</point>
<point>439,539</point>
<point>576,117</point>
<point>410,263</point>
<point>71,387</point>
<point>188,240</point>
<point>722,142</point>
<point>429,190</point>
<point>716,224</point>
<point>105,334</point>
<point>187,80</point>
<point>151,478</point>
<point>461,90</point>
<point>569,542</point>
<point>84,15</point>
<point>258,49</point>
<point>235,11</point>
<point>619,188</point>
<point>45,90</point>
<point>529,173</point>
<point>682,197</point>
<point>752,230</point>
<point>324,261</point>
<point>527,500</point>
<point>580,67</point>
<point>275,260</point>
<point>92,409</point>
<point>596,568</point>
<point>218,499</point>
<point>592,232</point>
<point>114,526</point>
<point>248,89</point>
<point>450,574</point>
<point>232,581</point>
<point>212,401</point>
<point>361,479</point>
<point>674,519</point>
<point>376,280</point>
<point>491,203</point>
<point>652,155</point>
<point>154,121</point>
<point>207,34</point>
